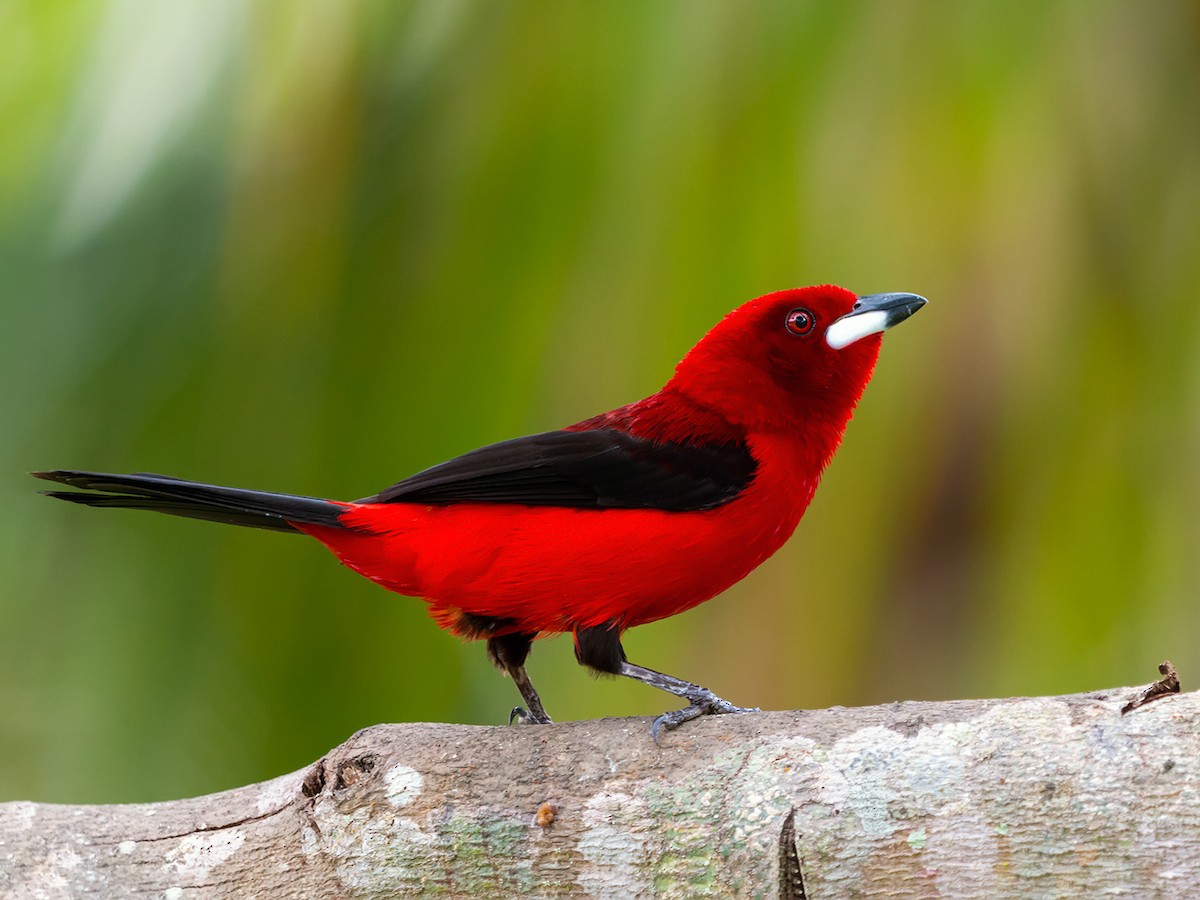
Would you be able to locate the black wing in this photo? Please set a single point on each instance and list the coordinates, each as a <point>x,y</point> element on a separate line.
<point>599,468</point>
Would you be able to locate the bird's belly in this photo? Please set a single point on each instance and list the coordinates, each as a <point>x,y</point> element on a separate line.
<point>554,569</point>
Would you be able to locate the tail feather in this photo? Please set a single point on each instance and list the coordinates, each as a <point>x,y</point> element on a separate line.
<point>193,499</point>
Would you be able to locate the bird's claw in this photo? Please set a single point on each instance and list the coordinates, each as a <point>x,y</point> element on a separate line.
<point>706,704</point>
<point>522,716</point>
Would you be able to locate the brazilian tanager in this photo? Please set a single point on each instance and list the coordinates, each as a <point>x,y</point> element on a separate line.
<point>624,518</point>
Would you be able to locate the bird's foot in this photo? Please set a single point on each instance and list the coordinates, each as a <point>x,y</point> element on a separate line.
<point>703,703</point>
<point>521,716</point>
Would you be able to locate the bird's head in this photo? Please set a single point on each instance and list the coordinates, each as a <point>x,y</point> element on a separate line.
<point>792,358</point>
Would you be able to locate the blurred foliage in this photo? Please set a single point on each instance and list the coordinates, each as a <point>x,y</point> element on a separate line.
<point>314,247</point>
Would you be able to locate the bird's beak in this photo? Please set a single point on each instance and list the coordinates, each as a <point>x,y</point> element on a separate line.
<point>872,314</point>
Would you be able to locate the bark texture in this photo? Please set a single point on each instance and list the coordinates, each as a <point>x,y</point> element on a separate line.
<point>1042,797</point>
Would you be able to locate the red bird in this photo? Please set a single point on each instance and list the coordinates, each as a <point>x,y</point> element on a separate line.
<point>625,518</point>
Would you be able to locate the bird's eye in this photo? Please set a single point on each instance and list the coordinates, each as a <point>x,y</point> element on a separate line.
<point>800,322</point>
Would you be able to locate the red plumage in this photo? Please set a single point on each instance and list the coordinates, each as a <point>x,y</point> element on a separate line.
<point>552,569</point>
<point>625,518</point>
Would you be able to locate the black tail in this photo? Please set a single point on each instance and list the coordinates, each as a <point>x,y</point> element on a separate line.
<point>256,509</point>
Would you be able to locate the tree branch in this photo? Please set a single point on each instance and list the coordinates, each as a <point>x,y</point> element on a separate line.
<point>1041,797</point>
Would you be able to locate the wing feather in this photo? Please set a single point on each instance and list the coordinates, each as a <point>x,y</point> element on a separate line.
<point>586,469</point>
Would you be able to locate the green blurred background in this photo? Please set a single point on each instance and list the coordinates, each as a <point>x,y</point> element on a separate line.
<point>315,247</point>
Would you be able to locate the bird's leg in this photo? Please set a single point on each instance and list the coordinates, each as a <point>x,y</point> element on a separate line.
<point>599,648</point>
<point>508,653</point>
<point>535,714</point>
<point>701,701</point>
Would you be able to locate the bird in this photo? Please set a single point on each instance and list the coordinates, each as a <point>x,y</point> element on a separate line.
<point>621,519</point>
